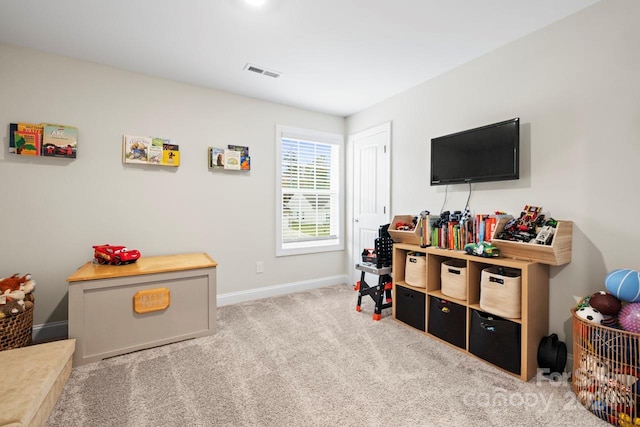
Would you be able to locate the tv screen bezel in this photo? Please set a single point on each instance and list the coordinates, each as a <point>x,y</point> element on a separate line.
<point>513,175</point>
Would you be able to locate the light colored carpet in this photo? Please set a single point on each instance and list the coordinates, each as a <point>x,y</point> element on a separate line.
<point>309,359</point>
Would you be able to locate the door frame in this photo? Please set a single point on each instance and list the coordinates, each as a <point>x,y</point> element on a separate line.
<point>384,127</point>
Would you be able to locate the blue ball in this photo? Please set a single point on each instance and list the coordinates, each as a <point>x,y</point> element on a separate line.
<point>624,284</point>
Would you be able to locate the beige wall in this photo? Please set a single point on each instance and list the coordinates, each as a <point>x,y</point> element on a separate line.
<point>54,210</point>
<point>576,89</point>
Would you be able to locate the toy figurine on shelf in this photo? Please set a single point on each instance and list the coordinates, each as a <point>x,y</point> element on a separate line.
<point>116,255</point>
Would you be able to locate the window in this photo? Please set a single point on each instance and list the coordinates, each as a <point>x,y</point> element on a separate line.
<point>309,191</point>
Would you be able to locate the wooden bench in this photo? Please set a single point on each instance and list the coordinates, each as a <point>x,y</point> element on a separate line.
<point>34,378</point>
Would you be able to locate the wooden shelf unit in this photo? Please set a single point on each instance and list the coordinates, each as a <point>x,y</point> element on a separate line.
<point>534,320</point>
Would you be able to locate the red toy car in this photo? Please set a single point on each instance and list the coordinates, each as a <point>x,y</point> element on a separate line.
<point>117,255</point>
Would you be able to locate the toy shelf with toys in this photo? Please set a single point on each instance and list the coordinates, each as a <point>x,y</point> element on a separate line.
<point>453,319</point>
<point>486,281</point>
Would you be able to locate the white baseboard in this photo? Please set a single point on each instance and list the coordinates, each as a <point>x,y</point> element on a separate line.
<point>271,291</point>
<point>56,330</point>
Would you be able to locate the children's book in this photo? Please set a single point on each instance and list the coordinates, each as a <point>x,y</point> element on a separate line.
<point>170,155</point>
<point>27,143</point>
<point>59,141</point>
<point>155,150</point>
<point>13,128</point>
<point>232,159</point>
<point>245,163</point>
<point>245,159</point>
<point>25,139</point>
<point>135,149</point>
<point>241,148</point>
<point>216,157</point>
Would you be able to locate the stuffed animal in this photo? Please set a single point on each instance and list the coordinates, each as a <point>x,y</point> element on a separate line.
<point>13,283</point>
<point>15,291</point>
<point>10,308</point>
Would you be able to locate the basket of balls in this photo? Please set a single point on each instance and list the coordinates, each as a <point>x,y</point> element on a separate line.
<point>606,349</point>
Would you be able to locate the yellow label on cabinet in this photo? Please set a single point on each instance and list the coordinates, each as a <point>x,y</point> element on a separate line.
<point>151,300</point>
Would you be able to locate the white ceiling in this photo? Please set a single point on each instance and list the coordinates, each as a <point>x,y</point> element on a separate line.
<point>335,56</point>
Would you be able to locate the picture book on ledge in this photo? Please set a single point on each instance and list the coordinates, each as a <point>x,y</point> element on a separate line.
<point>43,139</point>
<point>148,150</point>
<point>234,157</point>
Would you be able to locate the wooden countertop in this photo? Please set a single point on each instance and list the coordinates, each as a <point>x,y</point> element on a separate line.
<point>145,265</point>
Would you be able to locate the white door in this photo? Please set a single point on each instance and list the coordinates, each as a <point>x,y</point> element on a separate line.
<point>371,188</point>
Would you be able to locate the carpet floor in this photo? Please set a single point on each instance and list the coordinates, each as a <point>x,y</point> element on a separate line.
<point>309,359</point>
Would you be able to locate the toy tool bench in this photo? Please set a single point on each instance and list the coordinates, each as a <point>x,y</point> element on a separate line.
<point>378,262</point>
<point>378,292</point>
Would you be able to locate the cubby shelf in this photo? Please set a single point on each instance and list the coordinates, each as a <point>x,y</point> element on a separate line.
<point>532,325</point>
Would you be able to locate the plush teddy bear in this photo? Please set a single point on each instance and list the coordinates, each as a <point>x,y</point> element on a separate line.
<point>10,308</point>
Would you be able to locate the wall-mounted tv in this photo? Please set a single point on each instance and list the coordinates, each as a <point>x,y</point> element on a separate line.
<point>487,153</point>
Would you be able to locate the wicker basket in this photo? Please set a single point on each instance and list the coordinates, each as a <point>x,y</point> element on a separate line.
<point>15,331</point>
<point>501,291</point>
<point>453,278</point>
<point>415,270</point>
<point>606,371</point>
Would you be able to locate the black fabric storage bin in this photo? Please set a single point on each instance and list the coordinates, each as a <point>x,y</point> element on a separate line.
<point>447,321</point>
<point>410,307</point>
<point>495,340</point>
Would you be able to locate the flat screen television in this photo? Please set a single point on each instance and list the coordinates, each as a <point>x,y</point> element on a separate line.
<point>487,153</point>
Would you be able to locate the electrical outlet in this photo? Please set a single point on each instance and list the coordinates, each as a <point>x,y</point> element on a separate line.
<point>259,267</point>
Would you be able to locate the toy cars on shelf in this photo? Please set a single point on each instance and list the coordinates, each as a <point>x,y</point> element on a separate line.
<point>484,249</point>
<point>116,255</point>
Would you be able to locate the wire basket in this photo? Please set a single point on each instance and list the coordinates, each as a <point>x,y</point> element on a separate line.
<point>16,330</point>
<point>606,371</point>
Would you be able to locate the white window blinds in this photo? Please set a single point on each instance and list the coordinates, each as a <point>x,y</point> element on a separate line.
<point>310,191</point>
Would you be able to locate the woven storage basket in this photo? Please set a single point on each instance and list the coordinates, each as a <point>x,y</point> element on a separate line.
<point>16,330</point>
<point>415,270</point>
<point>500,292</point>
<point>453,278</point>
<point>606,371</point>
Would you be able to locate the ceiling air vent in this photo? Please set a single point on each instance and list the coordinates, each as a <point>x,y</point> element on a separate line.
<point>262,70</point>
